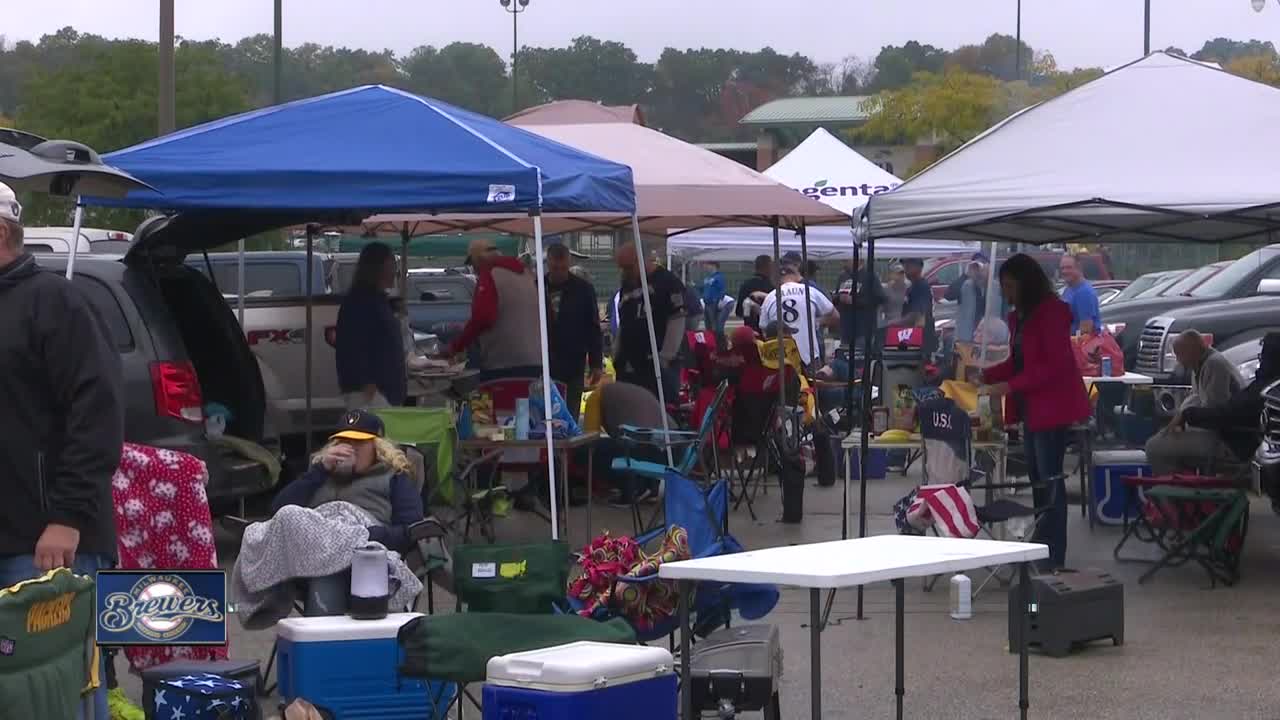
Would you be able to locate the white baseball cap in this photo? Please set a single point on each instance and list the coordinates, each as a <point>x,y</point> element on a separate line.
<point>9,208</point>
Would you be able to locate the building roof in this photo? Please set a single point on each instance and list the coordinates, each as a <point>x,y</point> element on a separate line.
<point>570,112</point>
<point>729,146</point>
<point>809,111</point>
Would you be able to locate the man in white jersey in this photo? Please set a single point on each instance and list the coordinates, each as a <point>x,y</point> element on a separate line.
<point>798,323</point>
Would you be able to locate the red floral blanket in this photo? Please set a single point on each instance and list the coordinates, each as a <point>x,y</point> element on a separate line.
<point>607,558</point>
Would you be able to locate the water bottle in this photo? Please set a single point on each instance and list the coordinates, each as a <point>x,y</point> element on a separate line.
<point>1106,366</point>
<point>522,419</point>
<point>961,597</point>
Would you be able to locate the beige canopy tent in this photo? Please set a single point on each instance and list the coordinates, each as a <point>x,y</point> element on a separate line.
<point>679,187</point>
<point>572,112</point>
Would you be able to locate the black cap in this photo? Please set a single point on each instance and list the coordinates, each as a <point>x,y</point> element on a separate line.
<point>359,425</point>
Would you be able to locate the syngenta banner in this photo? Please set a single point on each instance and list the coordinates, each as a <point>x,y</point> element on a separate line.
<point>822,188</point>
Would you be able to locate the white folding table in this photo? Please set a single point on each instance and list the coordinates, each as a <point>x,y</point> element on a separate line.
<point>846,563</point>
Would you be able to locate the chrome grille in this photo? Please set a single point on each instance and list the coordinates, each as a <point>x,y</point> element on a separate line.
<point>1151,346</point>
<point>1271,413</point>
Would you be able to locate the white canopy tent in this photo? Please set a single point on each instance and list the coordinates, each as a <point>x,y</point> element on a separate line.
<point>1163,149</point>
<point>826,169</point>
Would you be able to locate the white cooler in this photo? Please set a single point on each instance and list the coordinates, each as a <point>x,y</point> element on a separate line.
<point>583,680</point>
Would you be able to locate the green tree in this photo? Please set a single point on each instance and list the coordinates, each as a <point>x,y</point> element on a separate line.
<point>997,56</point>
<point>107,100</point>
<point>588,69</point>
<point>465,74</point>
<point>1262,68</point>
<point>946,109</point>
<point>896,67</point>
<point>1224,50</point>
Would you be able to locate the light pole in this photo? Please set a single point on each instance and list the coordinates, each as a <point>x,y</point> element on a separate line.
<point>1146,28</point>
<point>1017,68</point>
<point>168,85</point>
<point>515,7</point>
<point>277,91</point>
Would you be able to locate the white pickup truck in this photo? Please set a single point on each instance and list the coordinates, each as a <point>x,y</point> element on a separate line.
<point>274,325</point>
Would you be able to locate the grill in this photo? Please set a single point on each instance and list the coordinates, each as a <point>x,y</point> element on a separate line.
<point>1151,346</point>
<point>1271,414</point>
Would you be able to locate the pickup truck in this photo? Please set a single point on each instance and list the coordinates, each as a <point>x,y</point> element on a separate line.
<point>1232,324</point>
<point>1129,321</point>
<point>275,324</point>
<point>58,240</point>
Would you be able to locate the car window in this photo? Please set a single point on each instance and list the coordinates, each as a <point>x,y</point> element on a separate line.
<point>1235,273</point>
<point>948,274</point>
<point>1162,286</point>
<point>261,279</point>
<point>1136,287</point>
<point>37,248</point>
<point>1192,279</point>
<point>108,310</point>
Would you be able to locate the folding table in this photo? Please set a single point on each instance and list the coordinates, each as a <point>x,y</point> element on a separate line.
<point>846,563</point>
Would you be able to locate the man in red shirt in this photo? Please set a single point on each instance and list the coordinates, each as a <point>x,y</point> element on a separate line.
<point>503,329</point>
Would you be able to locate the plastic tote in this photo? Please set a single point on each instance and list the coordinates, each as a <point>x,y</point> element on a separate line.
<point>583,680</point>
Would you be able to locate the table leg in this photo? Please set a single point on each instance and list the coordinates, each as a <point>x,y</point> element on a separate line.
<point>900,612</point>
<point>685,590</point>
<point>591,471</point>
<point>815,652</point>
<point>564,496</point>
<point>1024,603</point>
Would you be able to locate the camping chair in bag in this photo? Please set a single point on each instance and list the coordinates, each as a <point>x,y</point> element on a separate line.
<point>948,466</point>
<point>702,512</point>
<point>1188,517</point>
<point>510,598</point>
<point>695,445</point>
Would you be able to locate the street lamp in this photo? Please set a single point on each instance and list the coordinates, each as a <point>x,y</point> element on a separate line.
<point>515,7</point>
<point>1146,28</point>
<point>1017,42</point>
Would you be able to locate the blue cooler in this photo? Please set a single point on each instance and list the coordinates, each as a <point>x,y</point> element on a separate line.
<point>877,461</point>
<point>582,680</point>
<point>1110,496</point>
<point>350,668</point>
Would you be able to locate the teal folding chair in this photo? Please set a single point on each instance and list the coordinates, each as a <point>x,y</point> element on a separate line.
<point>693,443</point>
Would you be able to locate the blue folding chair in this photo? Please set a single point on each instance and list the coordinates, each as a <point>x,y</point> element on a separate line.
<point>692,442</point>
<point>703,514</point>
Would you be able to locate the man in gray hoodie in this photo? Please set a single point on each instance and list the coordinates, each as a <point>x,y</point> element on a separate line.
<point>1179,448</point>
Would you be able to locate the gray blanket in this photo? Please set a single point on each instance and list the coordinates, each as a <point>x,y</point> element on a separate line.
<point>300,543</point>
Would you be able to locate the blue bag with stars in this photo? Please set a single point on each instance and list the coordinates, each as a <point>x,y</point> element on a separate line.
<point>202,696</point>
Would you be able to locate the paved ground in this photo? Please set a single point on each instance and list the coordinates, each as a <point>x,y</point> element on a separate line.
<point>1189,652</point>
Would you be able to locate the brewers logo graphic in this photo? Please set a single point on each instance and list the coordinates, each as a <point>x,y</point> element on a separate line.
<point>161,608</point>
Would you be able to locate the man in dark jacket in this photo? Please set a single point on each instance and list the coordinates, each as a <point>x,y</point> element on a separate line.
<point>755,288</point>
<point>858,315</point>
<point>62,427</point>
<point>576,341</point>
<point>1236,422</point>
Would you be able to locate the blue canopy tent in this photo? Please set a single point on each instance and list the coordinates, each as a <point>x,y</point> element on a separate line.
<point>368,150</point>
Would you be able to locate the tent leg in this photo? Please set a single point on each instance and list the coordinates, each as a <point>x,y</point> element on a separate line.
<point>240,282</point>
<point>546,376</point>
<point>311,242</point>
<point>75,239</point>
<point>777,304</point>
<point>653,337</point>
<point>865,420</point>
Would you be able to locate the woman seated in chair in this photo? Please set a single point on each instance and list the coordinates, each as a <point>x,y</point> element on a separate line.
<point>360,467</point>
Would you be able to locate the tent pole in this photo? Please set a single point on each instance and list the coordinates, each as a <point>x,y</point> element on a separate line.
<point>75,238</point>
<point>404,288</point>
<point>778,324</point>
<point>849,383</point>
<point>865,420</point>
<point>993,286</point>
<point>240,282</point>
<point>653,337</point>
<point>311,243</point>
<point>546,376</point>
<point>814,335</point>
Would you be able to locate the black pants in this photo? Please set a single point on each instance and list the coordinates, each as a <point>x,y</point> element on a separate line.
<point>644,378</point>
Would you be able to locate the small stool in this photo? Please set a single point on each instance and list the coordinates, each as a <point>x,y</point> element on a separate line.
<point>245,672</point>
<point>203,696</point>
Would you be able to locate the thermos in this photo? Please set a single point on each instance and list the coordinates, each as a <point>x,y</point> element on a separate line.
<point>522,419</point>
<point>1106,366</point>
<point>370,583</point>
<point>961,597</point>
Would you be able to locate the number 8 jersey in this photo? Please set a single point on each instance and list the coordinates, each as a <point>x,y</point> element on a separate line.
<point>799,324</point>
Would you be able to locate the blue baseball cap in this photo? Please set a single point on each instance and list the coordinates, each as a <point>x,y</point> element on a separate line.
<point>359,425</point>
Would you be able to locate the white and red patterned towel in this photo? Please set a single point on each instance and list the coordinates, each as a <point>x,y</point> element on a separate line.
<point>946,508</point>
<point>163,522</point>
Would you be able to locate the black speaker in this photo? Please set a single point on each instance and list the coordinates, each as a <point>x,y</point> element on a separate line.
<point>1068,609</point>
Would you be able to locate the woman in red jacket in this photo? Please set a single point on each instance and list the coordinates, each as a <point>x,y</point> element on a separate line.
<point>1044,388</point>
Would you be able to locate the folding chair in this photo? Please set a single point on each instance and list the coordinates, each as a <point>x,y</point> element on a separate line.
<point>1188,517</point>
<point>694,444</point>
<point>756,428</point>
<point>702,511</point>
<point>948,458</point>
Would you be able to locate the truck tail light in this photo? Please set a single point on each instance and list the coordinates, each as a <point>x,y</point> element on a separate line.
<point>177,391</point>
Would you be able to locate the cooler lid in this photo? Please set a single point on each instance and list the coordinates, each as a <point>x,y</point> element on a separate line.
<point>579,667</point>
<point>341,627</point>
<point>1119,457</point>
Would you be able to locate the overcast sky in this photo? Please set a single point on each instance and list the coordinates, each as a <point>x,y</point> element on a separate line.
<point>1078,32</point>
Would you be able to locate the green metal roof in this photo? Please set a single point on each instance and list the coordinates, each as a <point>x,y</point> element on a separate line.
<point>808,111</point>
<point>729,146</point>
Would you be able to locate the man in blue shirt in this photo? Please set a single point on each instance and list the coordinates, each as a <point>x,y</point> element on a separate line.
<point>1086,315</point>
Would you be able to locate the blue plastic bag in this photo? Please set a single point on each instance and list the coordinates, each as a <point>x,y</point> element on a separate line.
<point>563,423</point>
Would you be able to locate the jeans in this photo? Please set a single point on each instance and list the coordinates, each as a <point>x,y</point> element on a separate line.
<point>16,568</point>
<point>1045,451</point>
